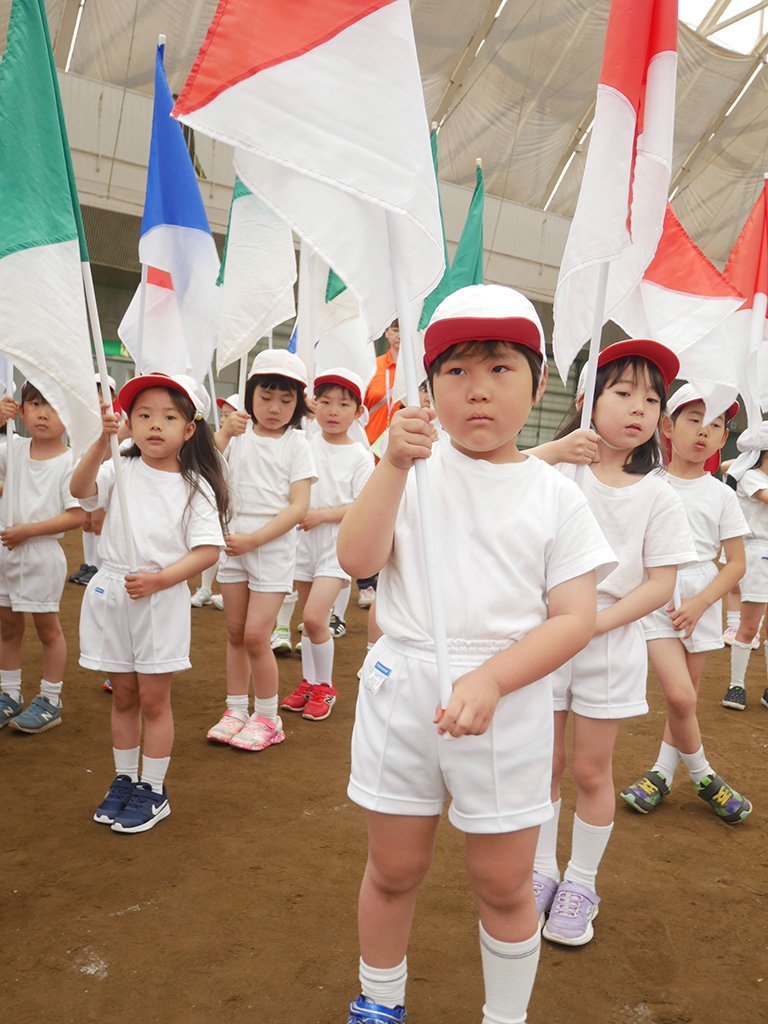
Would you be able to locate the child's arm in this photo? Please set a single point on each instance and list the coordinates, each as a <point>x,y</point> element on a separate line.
<point>70,519</point>
<point>367,530</point>
<point>232,426</point>
<point>568,629</point>
<point>648,597</point>
<point>142,584</point>
<point>579,447</point>
<point>83,482</point>
<point>285,520</point>
<point>318,516</point>
<point>689,611</point>
<point>8,410</point>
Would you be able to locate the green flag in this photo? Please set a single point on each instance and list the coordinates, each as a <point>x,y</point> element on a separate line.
<point>334,287</point>
<point>443,288</point>
<point>467,265</point>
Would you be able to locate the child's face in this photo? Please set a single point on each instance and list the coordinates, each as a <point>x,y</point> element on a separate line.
<point>336,411</point>
<point>272,409</point>
<point>157,426</point>
<point>691,440</point>
<point>627,412</point>
<point>483,403</point>
<point>226,412</point>
<point>41,420</point>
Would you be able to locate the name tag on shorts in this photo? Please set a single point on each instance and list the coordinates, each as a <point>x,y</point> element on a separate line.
<point>377,675</point>
<point>98,590</point>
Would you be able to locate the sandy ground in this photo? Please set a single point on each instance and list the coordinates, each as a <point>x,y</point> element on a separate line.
<point>240,907</point>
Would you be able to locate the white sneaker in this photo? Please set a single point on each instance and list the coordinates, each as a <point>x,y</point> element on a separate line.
<point>218,602</point>
<point>201,596</point>
<point>281,640</point>
<point>366,598</point>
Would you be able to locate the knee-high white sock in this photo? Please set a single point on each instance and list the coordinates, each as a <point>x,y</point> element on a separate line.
<point>285,614</point>
<point>127,762</point>
<point>90,542</point>
<point>209,575</point>
<point>323,658</point>
<point>697,764</point>
<point>10,682</point>
<point>545,861</point>
<point>667,761</point>
<point>340,605</point>
<point>739,660</point>
<point>308,660</point>
<point>153,771</point>
<point>509,970</point>
<point>587,849</point>
<point>384,985</point>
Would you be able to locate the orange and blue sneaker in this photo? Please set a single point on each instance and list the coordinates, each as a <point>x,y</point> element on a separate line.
<point>647,793</point>
<point>730,806</point>
<point>365,1011</point>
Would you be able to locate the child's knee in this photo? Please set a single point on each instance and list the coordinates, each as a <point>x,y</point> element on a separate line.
<point>681,702</point>
<point>49,632</point>
<point>315,624</point>
<point>590,774</point>
<point>11,626</point>
<point>256,637</point>
<point>397,877</point>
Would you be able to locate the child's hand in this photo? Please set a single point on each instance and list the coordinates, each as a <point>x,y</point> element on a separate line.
<point>239,543</point>
<point>14,535</point>
<point>410,436</point>
<point>110,422</point>
<point>579,447</point>
<point>686,616</point>
<point>315,517</point>
<point>142,584</point>
<point>472,704</point>
<point>8,409</point>
<point>236,423</point>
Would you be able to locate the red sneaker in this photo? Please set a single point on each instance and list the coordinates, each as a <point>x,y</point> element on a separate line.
<point>321,700</point>
<point>297,700</point>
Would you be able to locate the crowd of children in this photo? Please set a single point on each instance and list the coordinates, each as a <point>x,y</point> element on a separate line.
<point>561,592</point>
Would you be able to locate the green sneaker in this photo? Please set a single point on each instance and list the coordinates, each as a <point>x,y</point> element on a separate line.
<point>727,804</point>
<point>646,793</point>
<point>38,717</point>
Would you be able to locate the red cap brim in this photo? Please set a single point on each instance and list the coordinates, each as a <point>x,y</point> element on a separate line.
<point>661,356</point>
<point>132,388</point>
<point>442,334</point>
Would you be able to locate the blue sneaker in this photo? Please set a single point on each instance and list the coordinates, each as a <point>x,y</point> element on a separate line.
<point>9,708</point>
<point>114,803</point>
<point>143,810</point>
<point>364,1011</point>
<point>39,716</point>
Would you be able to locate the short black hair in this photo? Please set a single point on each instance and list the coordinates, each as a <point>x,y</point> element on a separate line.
<point>29,393</point>
<point>489,350</point>
<point>274,382</point>
<point>321,389</point>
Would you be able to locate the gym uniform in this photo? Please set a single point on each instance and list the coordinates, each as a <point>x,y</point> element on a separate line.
<point>754,583</point>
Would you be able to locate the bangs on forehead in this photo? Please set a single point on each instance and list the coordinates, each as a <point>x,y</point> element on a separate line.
<point>638,371</point>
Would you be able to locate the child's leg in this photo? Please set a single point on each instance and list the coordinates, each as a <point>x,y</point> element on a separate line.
<point>54,653</point>
<point>741,648</point>
<point>236,597</point>
<point>500,874</point>
<point>341,602</point>
<point>681,729</point>
<point>157,722</point>
<point>11,638</point>
<point>546,848</point>
<point>260,617</point>
<point>126,736</point>
<point>317,612</point>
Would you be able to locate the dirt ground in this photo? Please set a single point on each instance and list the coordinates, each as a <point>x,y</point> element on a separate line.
<point>241,906</point>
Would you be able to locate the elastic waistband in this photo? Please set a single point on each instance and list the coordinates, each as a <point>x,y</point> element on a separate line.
<point>119,572</point>
<point>459,651</point>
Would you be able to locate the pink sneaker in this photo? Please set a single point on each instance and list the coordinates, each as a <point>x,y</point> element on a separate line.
<point>258,734</point>
<point>228,726</point>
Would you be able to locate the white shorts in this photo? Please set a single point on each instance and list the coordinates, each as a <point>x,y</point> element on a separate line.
<point>32,576</point>
<point>316,554</point>
<point>754,582</point>
<point>607,679</point>
<point>499,782</point>
<point>150,635</point>
<point>266,570</point>
<point>708,634</point>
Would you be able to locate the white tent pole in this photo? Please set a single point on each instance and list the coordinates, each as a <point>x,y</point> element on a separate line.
<point>594,352</point>
<point>142,307</point>
<point>98,345</point>
<point>8,487</point>
<point>434,576</point>
<point>212,392</point>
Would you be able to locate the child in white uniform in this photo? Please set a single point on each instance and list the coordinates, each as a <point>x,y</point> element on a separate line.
<point>521,550</point>
<point>645,524</point>
<point>343,467</point>
<point>270,473</point>
<point>135,619</point>
<point>681,635</point>
<point>33,568</point>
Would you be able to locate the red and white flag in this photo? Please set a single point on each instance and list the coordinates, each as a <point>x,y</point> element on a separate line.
<point>324,105</point>
<point>623,195</point>
<point>162,344</point>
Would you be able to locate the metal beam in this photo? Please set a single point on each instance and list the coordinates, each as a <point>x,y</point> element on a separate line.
<point>572,146</point>
<point>65,32</point>
<point>456,80</point>
<point>735,19</point>
<point>712,16</point>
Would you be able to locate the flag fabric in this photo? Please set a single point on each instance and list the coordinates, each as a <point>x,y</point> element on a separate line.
<point>443,288</point>
<point>324,105</point>
<point>258,272</point>
<point>175,238</point>
<point>621,205</point>
<point>316,316</point>
<point>467,267</point>
<point>43,318</point>
<point>162,344</point>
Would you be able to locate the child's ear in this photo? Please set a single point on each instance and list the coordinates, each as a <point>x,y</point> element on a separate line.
<point>542,384</point>
<point>667,426</point>
<point>726,432</point>
<point>189,430</point>
<point>359,411</point>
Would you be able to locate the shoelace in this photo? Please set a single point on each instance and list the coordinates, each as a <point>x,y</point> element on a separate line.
<point>568,904</point>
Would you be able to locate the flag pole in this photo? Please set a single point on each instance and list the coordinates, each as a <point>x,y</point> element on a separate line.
<point>142,307</point>
<point>594,352</point>
<point>426,514</point>
<point>269,340</point>
<point>10,460</point>
<point>98,344</point>
<point>243,376</point>
<point>212,392</point>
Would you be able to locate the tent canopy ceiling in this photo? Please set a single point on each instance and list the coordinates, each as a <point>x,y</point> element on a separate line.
<point>513,83</point>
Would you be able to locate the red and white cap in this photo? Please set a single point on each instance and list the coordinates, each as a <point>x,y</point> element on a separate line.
<point>187,386</point>
<point>689,393</point>
<point>233,401</point>
<point>662,357</point>
<point>110,381</point>
<point>483,312</point>
<point>343,378</point>
<point>279,362</point>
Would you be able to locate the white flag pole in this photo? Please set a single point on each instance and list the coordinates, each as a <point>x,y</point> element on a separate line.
<point>242,379</point>
<point>756,331</point>
<point>98,345</point>
<point>142,307</point>
<point>269,340</point>
<point>426,514</point>
<point>212,392</point>
<point>594,352</point>
<point>10,460</point>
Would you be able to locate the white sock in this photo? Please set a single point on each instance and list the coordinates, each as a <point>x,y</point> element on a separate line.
<point>509,970</point>
<point>545,861</point>
<point>153,771</point>
<point>127,762</point>
<point>587,849</point>
<point>739,660</point>
<point>10,682</point>
<point>237,703</point>
<point>323,658</point>
<point>697,764</point>
<point>340,605</point>
<point>384,985</point>
<point>208,577</point>
<point>667,761</point>
<point>90,540</point>
<point>52,691</point>
<point>266,707</point>
<point>308,660</point>
<point>733,620</point>
<point>285,614</point>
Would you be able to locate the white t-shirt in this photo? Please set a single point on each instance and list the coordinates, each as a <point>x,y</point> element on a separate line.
<point>342,471</point>
<point>166,523</point>
<point>40,487</point>
<point>645,524</point>
<point>261,471</point>
<point>755,512</point>
<point>506,535</point>
<point>713,513</point>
